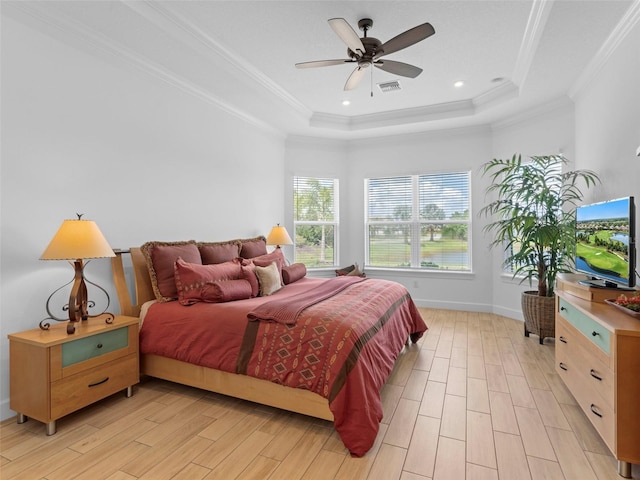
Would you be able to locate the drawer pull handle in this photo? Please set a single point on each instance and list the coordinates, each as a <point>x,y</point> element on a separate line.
<point>99,345</point>
<point>594,334</point>
<point>562,366</point>
<point>562,309</point>
<point>562,339</point>
<point>593,374</point>
<point>106,379</point>
<point>595,412</point>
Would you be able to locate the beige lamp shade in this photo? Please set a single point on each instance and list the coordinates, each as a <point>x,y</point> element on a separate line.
<point>279,236</point>
<point>77,239</point>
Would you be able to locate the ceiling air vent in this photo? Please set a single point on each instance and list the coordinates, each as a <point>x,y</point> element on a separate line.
<point>389,86</point>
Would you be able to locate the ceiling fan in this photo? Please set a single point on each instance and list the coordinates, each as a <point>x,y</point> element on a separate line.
<point>366,51</point>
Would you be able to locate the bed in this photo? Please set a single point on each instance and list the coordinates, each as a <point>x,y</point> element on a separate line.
<point>319,347</point>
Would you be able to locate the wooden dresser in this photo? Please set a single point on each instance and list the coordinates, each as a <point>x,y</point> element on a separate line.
<point>54,373</point>
<point>598,358</point>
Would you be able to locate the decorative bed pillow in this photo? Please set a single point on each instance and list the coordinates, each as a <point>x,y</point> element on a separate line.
<point>161,257</point>
<point>225,291</point>
<point>352,270</point>
<point>249,274</point>
<point>219,252</point>
<point>253,247</point>
<point>190,278</point>
<point>269,279</point>
<point>265,260</point>
<point>293,273</point>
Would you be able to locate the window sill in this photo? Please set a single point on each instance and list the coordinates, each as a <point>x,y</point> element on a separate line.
<point>404,272</point>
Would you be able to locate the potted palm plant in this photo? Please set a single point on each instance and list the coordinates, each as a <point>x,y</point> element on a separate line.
<point>534,222</point>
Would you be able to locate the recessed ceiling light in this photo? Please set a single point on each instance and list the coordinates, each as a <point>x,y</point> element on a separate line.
<point>346,102</point>
<point>458,84</point>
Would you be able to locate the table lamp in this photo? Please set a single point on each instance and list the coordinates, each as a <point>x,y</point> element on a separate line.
<point>279,236</point>
<point>75,241</point>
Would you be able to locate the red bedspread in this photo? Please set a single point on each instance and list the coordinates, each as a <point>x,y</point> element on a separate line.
<point>342,348</point>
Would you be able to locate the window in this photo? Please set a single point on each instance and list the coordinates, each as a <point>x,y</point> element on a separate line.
<point>315,220</point>
<point>418,221</point>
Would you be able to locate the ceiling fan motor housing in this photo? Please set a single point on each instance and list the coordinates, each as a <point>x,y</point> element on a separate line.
<point>371,47</point>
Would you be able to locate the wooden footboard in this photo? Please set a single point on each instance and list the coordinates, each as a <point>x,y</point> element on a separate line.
<point>234,385</point>
<point>237,386</point>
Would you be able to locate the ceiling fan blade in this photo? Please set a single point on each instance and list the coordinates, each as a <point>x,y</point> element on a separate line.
<point>354,79</point>
<point>406,39</point>
<point>347,35</point>
<point>322,63</point>
<point>398,68</point>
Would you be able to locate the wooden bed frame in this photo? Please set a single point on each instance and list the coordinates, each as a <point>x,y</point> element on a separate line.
<point>234,385</point>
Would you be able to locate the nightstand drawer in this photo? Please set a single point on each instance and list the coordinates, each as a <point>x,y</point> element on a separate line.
<point>77,391</point>
<point>85,348</point>
<point>595,332</point>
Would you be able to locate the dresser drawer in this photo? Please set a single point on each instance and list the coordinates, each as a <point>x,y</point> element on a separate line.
<point>74,392</point>
<point>574,360</point>
<point>599,413</point>
<point>85,348</point>
<point>592,330</point>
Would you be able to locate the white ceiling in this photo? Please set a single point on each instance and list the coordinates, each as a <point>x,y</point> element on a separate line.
<point>514,56</point>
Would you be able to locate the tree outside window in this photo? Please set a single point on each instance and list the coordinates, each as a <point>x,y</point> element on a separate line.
<point>419,221</point>
<point>315,208</point>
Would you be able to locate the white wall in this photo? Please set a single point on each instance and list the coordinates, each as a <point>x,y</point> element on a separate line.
<point>142,159</point>
<point>608,122</point>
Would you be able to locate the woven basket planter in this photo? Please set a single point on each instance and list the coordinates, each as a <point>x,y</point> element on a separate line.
<point>539,315</point>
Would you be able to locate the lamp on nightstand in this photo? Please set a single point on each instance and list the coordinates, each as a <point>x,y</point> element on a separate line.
<point>279,236</point>
<point>76,240</point>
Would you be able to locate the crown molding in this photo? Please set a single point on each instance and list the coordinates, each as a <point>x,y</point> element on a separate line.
<point>534,30</point>
<point>461,108</point>
<point>507,90</point>
<point>619,33</point>
<point>80,36</point>
<point>396,117</point>
<point>178,26</point>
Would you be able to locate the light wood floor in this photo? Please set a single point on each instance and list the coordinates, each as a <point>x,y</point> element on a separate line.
<point>473,399</point>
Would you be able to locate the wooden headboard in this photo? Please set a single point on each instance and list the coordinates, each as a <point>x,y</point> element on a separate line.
<point>142,282</point>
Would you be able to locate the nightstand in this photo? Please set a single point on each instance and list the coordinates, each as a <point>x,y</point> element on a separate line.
<point>54,373</point>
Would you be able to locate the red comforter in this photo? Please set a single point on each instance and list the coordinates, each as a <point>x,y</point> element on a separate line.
<point>342,348</point>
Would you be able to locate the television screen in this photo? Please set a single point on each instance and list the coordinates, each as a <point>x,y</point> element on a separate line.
<point>605,243</point>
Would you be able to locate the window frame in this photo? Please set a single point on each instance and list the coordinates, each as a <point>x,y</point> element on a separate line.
<point>416,223</point>
<point>335,223</point>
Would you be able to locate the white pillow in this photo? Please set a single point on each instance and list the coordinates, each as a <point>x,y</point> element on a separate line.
<point>269,279</point>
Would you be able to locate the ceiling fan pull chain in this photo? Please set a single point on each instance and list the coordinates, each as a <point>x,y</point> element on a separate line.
<point>371,69</point>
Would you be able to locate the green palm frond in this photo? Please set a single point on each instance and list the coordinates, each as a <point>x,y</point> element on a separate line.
<point>532,215</point>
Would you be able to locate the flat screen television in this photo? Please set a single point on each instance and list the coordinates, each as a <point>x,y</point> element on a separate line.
<point>605,243</point>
